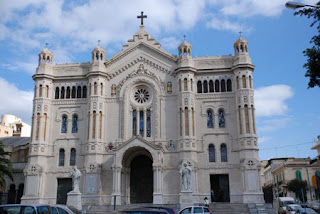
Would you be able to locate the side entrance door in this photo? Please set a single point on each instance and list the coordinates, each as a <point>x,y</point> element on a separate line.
<point>64,186</point>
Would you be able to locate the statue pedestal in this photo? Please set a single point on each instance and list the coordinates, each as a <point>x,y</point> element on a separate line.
<point>74,200</point>
<point>186,199</point>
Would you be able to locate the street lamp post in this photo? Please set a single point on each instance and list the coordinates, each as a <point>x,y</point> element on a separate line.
<point>294,5</point>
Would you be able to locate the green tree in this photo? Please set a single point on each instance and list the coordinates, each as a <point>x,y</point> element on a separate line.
<point>296,186</point>
<point>5,166</point>
<point>313,54</point>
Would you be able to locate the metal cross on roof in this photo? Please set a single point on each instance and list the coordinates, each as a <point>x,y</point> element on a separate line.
<point>141,17</point>
<point>47,45</point>
<point>184,37</point>
<point>240,33</point>
<point>99,42</point>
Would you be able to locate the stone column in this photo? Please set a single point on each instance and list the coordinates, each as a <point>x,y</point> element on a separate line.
<point>116,194</point>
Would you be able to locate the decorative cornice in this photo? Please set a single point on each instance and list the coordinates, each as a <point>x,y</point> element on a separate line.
<point>69,102</point>
<point>215,96</point>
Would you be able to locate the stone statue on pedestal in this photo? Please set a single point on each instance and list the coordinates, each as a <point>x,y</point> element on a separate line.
<point>75,175</point>
<point>186,172</point>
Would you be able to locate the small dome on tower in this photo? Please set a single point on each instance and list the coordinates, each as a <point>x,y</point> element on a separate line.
<point>98,54</point>
<point>240,46</point>
<point>45,56</point>
<point>185,49</point>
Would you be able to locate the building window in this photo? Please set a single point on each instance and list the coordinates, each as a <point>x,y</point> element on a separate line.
<point>95,89</point>
<point>47,92</point>
<point>185,84</point>
<point>250,82</point>
<point>192,121</point>
<point>244,84</point>
<point>217,86</point>
<point>61,157</point>
<point>94,115</point>
<point>38,126</point>
<point>64,124</point>
<point>113,90</point>
<point>210,118</point>
<point>79,92</point>
<point>169,87</point>
<point>199,87</point>
<point>222,122</point>
<point>141,123</point>
<point>73,92</point>
<point>84,92</point>
<point>246,117</point>
<point>186,121</point>
<point>75,124</point>
<point>212,153</point>
<point>211,88</point>
<point>229,85</point>
<point>44,126</point>
<point>223,86</point>
<point>179,84</point>
<point>56,96</point>
<point>191,85</point>
<point>40,91</point>
<point>148,123</point>
<point>62,93</point>
<point>181,112</point>
<point>68,93</point>
<point>100,125</point>
<point>205,86</point>
<point>298,175</point>
<point>101,89</point>
<point>134,122</point>
<point>238,83</point>
<point>253,120</point>
<point>224,153</point>
<point>73,157</point>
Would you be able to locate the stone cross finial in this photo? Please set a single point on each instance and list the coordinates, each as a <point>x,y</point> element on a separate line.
<point>184,36</point>
<point>47,44</point>
<point>99,42</point>
<point>240,33</point>
<point>141,17</point>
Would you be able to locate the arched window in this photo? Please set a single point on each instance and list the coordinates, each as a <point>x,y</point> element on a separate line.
<point>210,118</point>
<point>298,175</point>
<point>75,124</point>
<point>223,86</point>
<point>181,112</point>
<point>212,153</point>
<point>246,117</point>
<point>186,121</point>
<point>205,86</point>
<point>73,157</point>
<point>244,84</point>
<point>224,153</point>
<point>191,85</point>
<point>222,122</point>
<point>73,92</point>
<point>192,121</point>
<point>250,82</point>
<point>95,88</point>
<point>61,157</point>
<point>169,87</point>
<point>229,85</point>
<point>211,88</point>
<point>141,123</point>
<point>56,96</point>
<point>238,85</point>
<point>38,126</point>
<point>148,123</point>
<point>47,91</point>
<point>40,91</point>
<point>240,120</point>
<point>44,126</point>
<point>253,119</point>
<point>79,92</point>
<point>134,122</point>
<point>185,84</point>
<point>216,85</point>
<point>62,93</point>
<point>113,90</point>
<point>101,89</point>
<point>64,124</point>
<point>94,115</point>
<point>84,92</point>
<point>100,125</point>
<point>199,87</point>
<point>179,84</point>
<point>68,93</point>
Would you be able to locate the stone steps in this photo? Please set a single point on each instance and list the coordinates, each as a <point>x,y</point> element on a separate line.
<point>230,208</point>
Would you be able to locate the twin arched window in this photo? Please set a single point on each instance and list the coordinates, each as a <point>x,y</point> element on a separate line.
<point>223,153</point>
<point>64,124</point>
<point>210,118</point>
<point>72,157</point>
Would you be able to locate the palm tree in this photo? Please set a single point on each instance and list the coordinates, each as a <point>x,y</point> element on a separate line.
<point>5,167</point>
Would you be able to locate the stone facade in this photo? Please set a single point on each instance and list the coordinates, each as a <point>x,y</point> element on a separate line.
<point>133,120</point>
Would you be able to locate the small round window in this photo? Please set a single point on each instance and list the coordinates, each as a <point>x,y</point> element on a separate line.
<point>141,95</point>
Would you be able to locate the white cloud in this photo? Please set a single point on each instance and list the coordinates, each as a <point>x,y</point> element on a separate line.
<point>170,43</point>
<point>223,24</point>
<point>270,100</point>
<point>15,101</point>
<point>273,124</point>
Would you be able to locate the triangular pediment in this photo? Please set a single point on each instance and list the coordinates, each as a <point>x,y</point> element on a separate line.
<point>142,41</point>
<point>139,141</point>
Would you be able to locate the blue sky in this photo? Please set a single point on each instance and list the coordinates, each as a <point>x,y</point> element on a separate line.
<point>287,113</point>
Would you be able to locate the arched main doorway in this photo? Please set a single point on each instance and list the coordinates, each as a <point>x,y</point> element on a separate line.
<point>141,180</point>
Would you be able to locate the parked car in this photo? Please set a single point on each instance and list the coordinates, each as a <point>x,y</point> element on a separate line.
<point>292,208</point>
<point>305,210</point>
<point>314,205</point>
<point>143,210</point>
<point>168,209</point>
<point>63,209</point>
<point>195,209</point>
<point>25,208</point>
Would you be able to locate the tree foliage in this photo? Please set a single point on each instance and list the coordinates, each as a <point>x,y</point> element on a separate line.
<point>296,185</point>
<point>313,54</point>
<point>5,166</point>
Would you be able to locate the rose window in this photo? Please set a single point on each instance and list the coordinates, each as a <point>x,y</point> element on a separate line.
<point>141,95</point>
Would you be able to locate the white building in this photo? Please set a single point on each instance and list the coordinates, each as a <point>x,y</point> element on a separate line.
<point>13,126</point>
<point>132,121</point>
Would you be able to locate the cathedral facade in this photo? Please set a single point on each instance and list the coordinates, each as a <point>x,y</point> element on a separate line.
<point>145,126</point>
